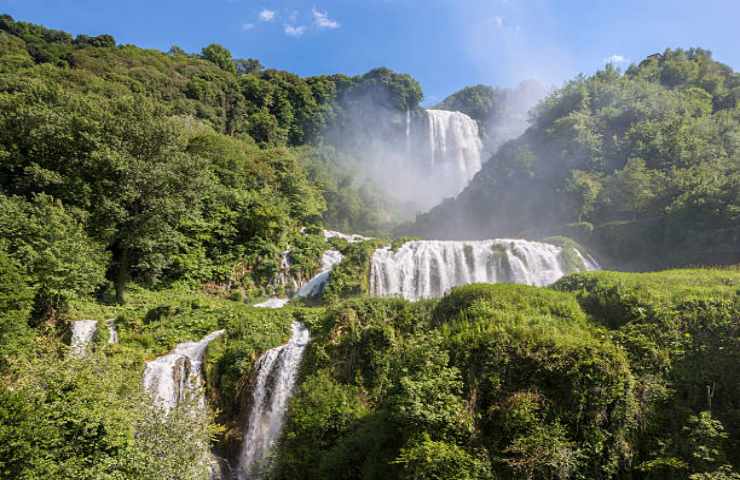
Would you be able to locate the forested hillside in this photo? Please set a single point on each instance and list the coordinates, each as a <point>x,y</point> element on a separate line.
<point>151,202</point>
<point>169,167</point>
<point>643,166</point>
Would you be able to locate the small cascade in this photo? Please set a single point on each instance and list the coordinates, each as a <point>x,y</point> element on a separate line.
<point>353,238</point>
<point>428,269</point>
<point>83,332</point>
<point>273,302</point>
<point>112,331</point>
<point>455,148</point>
<point>315,286</point>
<point>277,370</point>
<point>172,377</point>
<point>284,278</point>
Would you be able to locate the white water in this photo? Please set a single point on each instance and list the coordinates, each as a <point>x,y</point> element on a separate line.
<point>283,277</point>
<point>353,238</point>
<point>455,149</point>
<point>83,332</point>
<point>112,332</point>
<point>170,378</point>
<point>273,302</point>
<point>428,269</point>
<point>277,370</point>
<point>316,285</point>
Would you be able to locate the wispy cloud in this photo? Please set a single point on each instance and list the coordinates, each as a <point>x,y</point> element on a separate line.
<point>267,15</point>
<point>498,21</point>
<point>322,20</point>
<point>294,30</point>
<point>247,26</point>
<point>616,59</point>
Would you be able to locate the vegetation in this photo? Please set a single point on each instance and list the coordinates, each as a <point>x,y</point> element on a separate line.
<point>501,113</point>
<point>647,161</point>
<point>504,381</point>
<point>162,192</point>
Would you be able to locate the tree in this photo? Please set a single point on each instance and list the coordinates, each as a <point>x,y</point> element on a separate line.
<point>220,56</point>
<point>584,188</point>
<point>16,299</point>
<point>429,460</point>
<point>53,248</point>
<point>247,66</point>
<point>99,41</point>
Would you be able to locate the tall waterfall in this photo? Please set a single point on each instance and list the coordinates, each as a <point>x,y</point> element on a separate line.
<point>172,377</point>
<point>277,370</point>
<point>428,269</point>
<point>83,332</point>
<point>454,148</point>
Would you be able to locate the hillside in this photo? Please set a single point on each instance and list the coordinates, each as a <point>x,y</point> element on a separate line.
<point>175,303</point>
<point>641,166</point>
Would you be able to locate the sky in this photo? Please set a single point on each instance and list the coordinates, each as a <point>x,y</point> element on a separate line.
<point>444,44</point>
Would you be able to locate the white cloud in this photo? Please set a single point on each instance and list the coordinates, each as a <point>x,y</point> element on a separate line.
<point>247,26</point>
<point>322,20</point>
<point>498,21</point>
<point>294,31</point>
<point>267,15</point>
<point>616,59</point>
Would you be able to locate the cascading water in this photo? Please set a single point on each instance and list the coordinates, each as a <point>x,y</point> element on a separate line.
<point>273,302</point>
<point>316,285</point>
<point>112,331</point>
<point>351,238</point>
<point>83,332</point>
<point>283,277</point>
<point>428,269</point>
<point>454,147</point>
<point>172,377</point>
<point>277,371</point>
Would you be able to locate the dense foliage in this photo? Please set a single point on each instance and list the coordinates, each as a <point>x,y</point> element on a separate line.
<point>177,167</point>
<point>647,161</point>
<point>162,192</point>
<point>612,376</point>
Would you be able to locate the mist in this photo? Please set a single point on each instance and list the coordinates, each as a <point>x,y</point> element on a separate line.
<point>416,156</point>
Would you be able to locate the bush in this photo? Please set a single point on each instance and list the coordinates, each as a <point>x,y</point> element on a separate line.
<point>53,248</point>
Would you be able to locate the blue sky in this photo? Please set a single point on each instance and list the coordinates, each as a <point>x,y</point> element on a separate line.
<point>445,44</point>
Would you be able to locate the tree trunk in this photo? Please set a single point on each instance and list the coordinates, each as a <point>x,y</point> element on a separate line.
<point>122,276</point>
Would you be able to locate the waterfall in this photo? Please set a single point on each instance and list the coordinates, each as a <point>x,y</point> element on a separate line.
<point>112,332</point>
<point>83,332</point>
<point>315,286</point>
<point>283,277</point>
<point>273,302</point>
<point>428,269</point>
<point>172,377</point>
<point>353,238</point>
<point>277,370</point>
<point>454,147</point>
